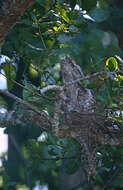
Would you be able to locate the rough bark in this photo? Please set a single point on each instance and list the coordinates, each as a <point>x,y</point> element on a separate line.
<point>106,135</point>
<point>77,99</point>
<point>10,11</point>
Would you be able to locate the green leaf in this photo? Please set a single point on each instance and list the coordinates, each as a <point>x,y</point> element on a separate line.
<point>27,22</point>
<point>54,150</point>
<point>59,163</point>
<point>10,73</point>
<point>64,14</point>
<point>103,3</point>
<point>72,166</point>
<point>41,2</point>
<point>112,64</point>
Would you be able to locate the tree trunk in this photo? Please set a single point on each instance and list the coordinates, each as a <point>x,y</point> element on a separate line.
<point>10,11</point>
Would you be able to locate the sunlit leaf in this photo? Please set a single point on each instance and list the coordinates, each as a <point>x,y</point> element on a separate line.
<point>112,64</point>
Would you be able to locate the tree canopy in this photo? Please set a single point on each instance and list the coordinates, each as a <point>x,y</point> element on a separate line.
<point>64,96</point>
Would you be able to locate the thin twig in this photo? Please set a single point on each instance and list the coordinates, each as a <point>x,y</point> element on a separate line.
<point>24,87</point>
<point>87,77</point>
<point>56,87</point>
<point>51,87</point>
<point>27,104</point>
<point>40,34</point>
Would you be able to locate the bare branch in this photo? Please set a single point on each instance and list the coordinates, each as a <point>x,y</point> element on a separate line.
<point>94,75</point>
<point>60,88</point>
<point>27,104</point>
<point>25,118</point>
<point>51,87</point>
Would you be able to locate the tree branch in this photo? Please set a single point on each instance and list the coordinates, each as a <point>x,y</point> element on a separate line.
<point>51,87</point>
<point>27,104</point>
<point>10,11</point>
<point>61,88</point>
<point>104,136</point>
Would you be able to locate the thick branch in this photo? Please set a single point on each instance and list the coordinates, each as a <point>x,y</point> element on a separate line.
<point>10,11</point>
<point>107,136</point>
<point>25,118</point>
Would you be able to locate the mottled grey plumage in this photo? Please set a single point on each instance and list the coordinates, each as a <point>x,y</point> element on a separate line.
<point>76,100</point>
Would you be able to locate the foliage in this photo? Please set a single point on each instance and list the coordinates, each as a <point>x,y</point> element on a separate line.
<point>48,31</point>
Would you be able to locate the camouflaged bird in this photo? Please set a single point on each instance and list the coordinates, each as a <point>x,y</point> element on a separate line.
<point>77,105</point>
